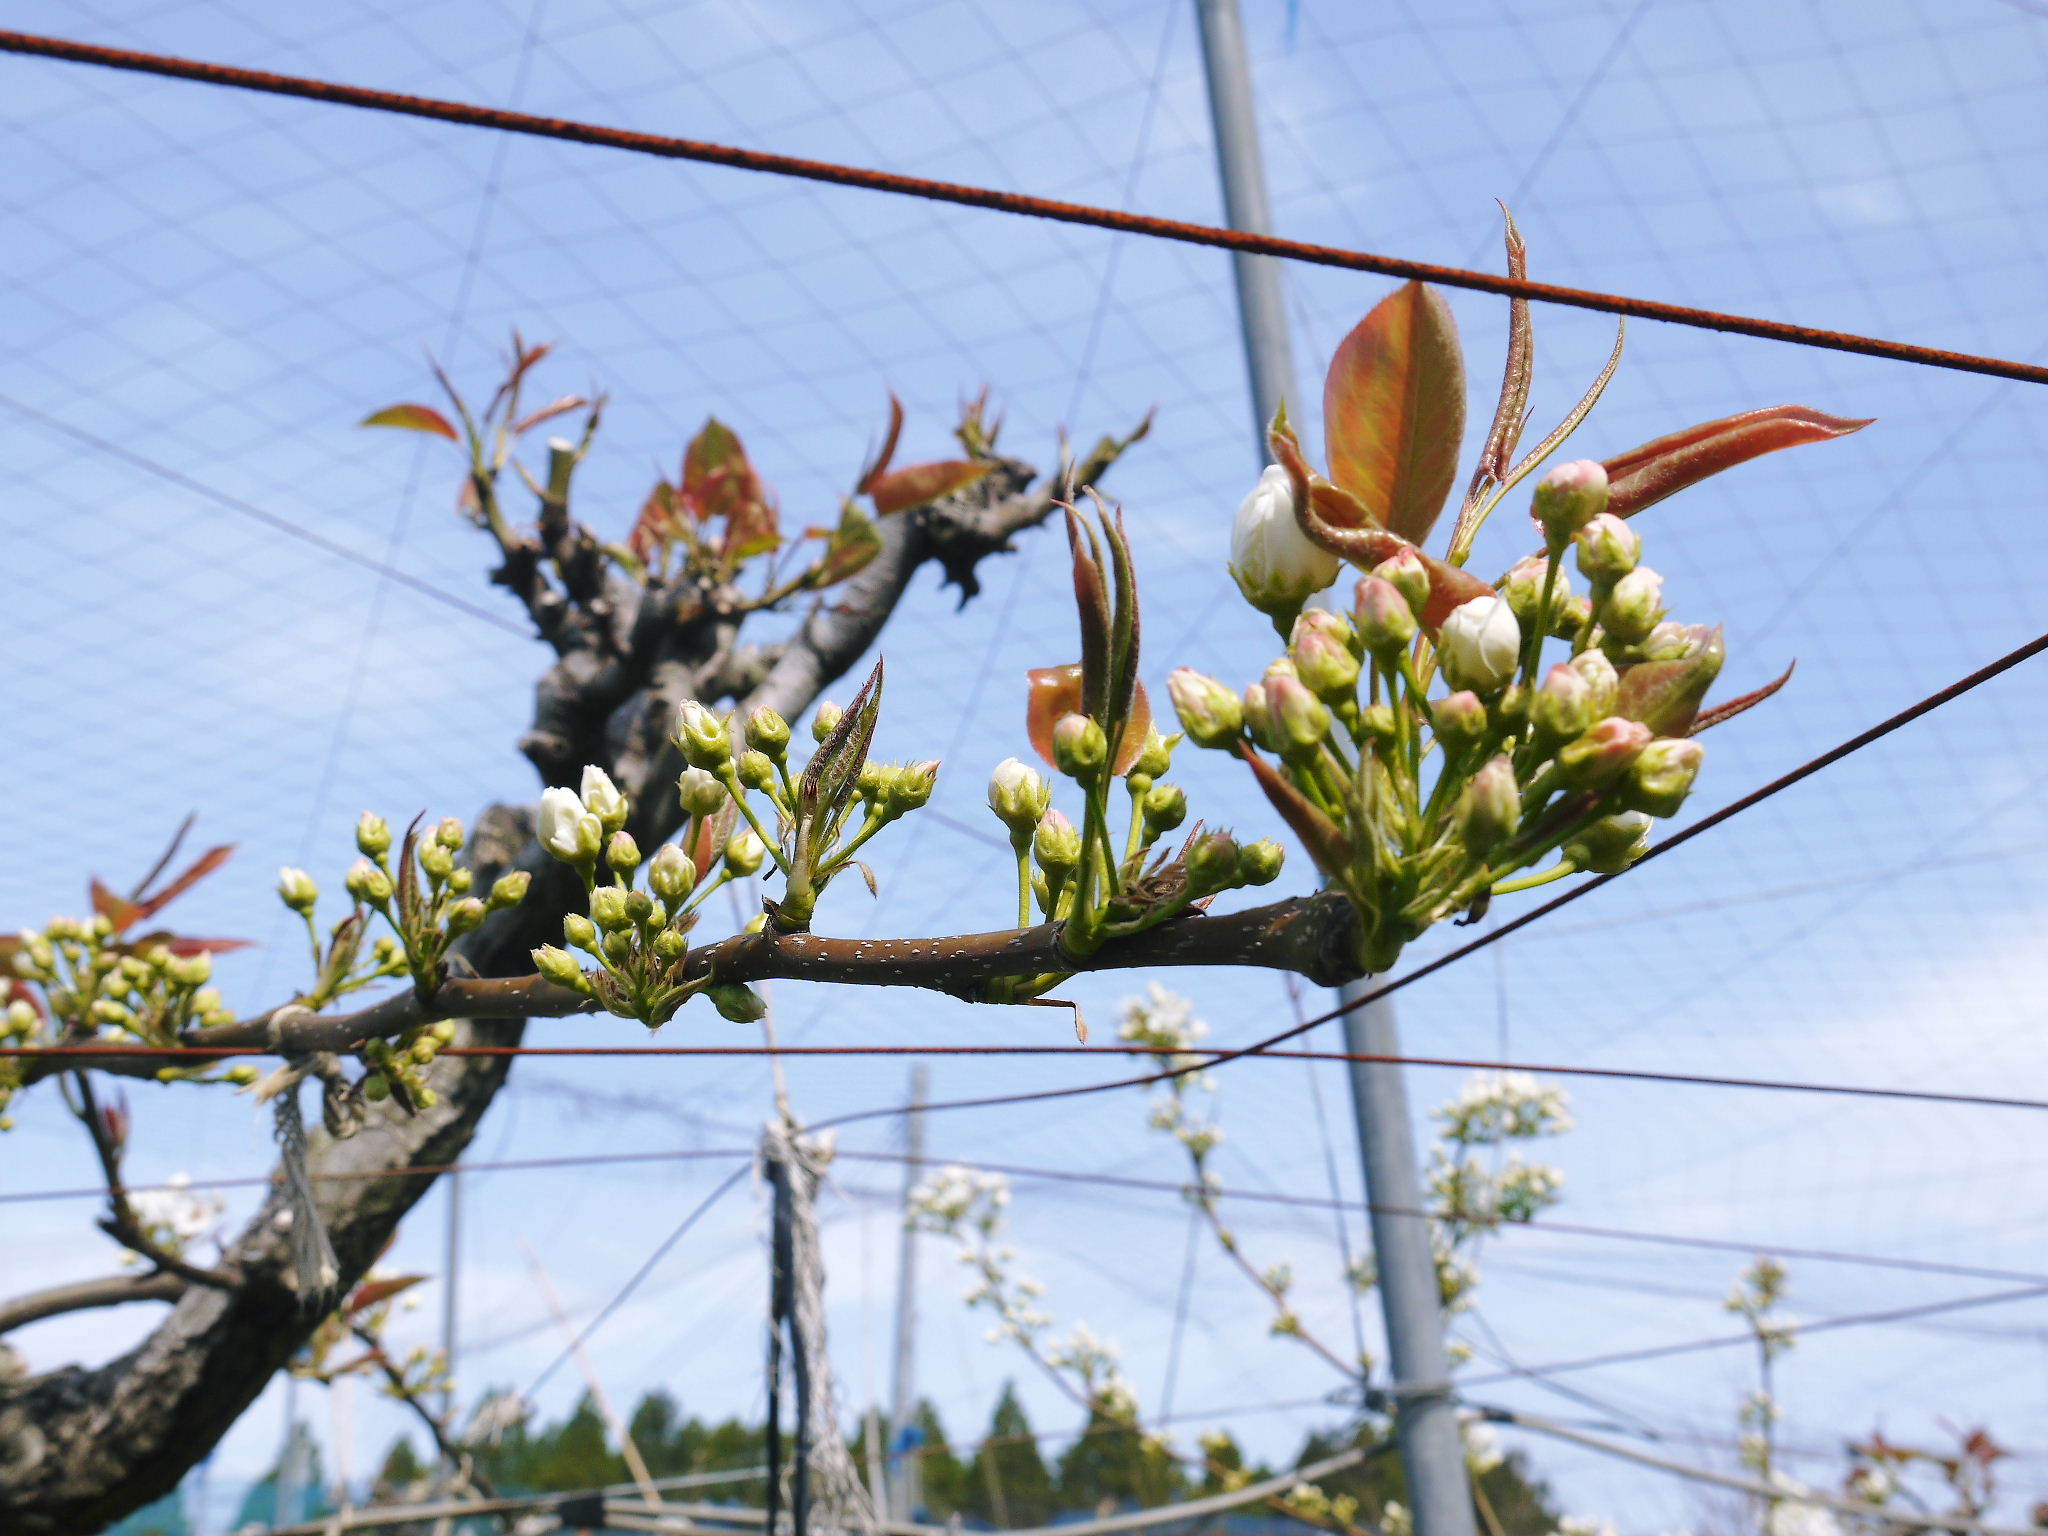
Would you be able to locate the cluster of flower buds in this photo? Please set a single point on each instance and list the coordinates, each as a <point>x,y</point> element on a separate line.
<point>1092,723</point>
<point>422,893</point>
<point>1317,1507</point>
<point>733,761</point>
<point>1419,805</point>
<point>92,984</point>
<point>639,940</point>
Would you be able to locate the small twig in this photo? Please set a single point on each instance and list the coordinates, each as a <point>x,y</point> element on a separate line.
<point>122,1224</point>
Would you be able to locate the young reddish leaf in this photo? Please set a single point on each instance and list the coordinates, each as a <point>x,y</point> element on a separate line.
<point>707,846</point>
<point>848,548</point>
<point>117,910</point>
<point>917,484</point>
<point>370,1292</point>
<point>718,481</point>
<point>1394,410</point>
<point>1056,691</point>
<point>414,418</point>
<point>1709,718</point>
<point>198,870</point>
<point>659,524</point>
<point>179,944</point>
<point>878,466</point>
<point>549,412</point>
<point>1322,837</point>
<point>1644,476</point>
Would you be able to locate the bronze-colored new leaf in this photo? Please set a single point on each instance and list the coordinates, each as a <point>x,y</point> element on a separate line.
<point>1644,476</point>
<point>413,418</point>
<point>1056,691</point>
<point>915,485</point>
<point>1322,837</point>
<point>1394,410</point>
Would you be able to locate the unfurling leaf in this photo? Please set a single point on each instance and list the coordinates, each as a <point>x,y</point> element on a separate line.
<point>1644,476</point>
<point>719,482</point>
<point>414,418</point>
<point>1394,410</point>
<point>848,548</point>
<point>878,466</point>
<point>1709,718</point>
<point>1056,691</point>
<point>707,843</point>
<point>834,769</point>
<point>370,1292</point>
<point>1666,695</point>
<point>1330,517</point>
<point>1322,837</point>
<point>659,524</point>
<point>548,412</point>
<point>918,484</point>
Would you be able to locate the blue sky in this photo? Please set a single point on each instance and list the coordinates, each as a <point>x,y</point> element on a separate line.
<point>223,284</point>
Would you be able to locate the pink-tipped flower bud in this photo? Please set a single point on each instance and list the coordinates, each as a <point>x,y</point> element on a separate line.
<point>1480,644</point>
<point>1078,746</point>
<point>1386,619</point>
<point>1459,720</point>
<point>1568,498</point>
<point>1300,719</point>
<point>826,720</point>
<point>1276,566</point>
<point>1662,776</point>
<point>1410,577</point>
<point>1563,706</point>
<point>449,834</point>
<point>367,883</point>
<point>1599,756</point>
<point>1258,718</point>
<point>1330,622</point>
<point>297,890</point>
<point>1601,677</point>
<point>373,835</point>
<point>1057,843</point>
<point>1155,757</point>
<point>1608,549</point>
<point>622,853</point>
<point>1490,807</point>
<point>1633,606</point>
<point>1610,844</point>
<point>1324,662</point>
<point>1523,589</point>
<point>1210,713</point>
<point>1212,863</point>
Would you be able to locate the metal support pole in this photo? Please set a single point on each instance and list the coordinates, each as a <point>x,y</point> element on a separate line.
<point>905,1484</point>
<point>1425,1418</point>
<point>1261,306</point>
<point>1425,1411</point>
<point>451,1293</point>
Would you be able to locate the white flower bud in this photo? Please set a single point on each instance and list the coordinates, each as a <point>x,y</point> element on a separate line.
<point>1481,644</point>
<point>297,889</point>
<point>602,799</point>
<point>1019,794</point>
<point>1276,566</point>
<point>561,810</point>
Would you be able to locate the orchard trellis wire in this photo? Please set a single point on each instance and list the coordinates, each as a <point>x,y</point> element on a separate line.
<point>2036,371</point>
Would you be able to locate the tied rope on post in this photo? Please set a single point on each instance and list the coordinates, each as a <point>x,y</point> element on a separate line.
<point>315,1269</point>
<point>826,1496</point>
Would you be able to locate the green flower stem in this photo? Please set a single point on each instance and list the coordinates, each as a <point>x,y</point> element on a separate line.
<point>730,778</point>
<point>1556,871</point>
<point>870,825</point>
<point>1020,844</point>
<point>1532,643</point>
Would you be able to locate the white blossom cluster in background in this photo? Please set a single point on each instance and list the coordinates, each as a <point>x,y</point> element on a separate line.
<point>968,1205</point>
<point>1164,1021</point>
<point>176,1216</point>
<point>1493,1107</point>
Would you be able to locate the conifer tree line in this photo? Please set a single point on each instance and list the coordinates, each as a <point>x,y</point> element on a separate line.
<point>1012,1478</point>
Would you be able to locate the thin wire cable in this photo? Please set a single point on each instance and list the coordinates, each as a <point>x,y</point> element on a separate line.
<point>647,1267</point>
<point>1746,1246</point>
<point>995,200</point>
<point>1213,1057</point>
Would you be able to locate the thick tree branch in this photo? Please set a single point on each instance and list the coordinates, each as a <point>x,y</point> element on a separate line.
<point>1312,936</point>
<point>82,1295</point>
<point>81,1447</point>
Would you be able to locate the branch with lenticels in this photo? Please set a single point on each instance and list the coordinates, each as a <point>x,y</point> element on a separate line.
<point>1307,935</point>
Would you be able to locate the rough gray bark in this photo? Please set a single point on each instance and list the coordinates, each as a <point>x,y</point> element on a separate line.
<point>79,1447</point>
